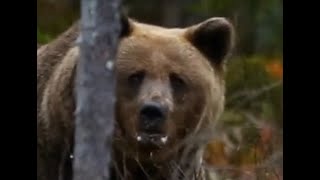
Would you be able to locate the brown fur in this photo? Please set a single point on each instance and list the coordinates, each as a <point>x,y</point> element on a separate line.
<point>54,103</point>
<point>159,52</point>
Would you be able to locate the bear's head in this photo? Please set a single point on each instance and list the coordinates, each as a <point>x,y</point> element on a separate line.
<point>170,84</point>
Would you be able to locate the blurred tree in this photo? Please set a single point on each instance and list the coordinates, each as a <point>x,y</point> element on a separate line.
<point>94,124</point>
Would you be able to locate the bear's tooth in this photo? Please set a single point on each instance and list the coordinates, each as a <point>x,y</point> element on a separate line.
<point>138,138</point>
<point>164,139</point>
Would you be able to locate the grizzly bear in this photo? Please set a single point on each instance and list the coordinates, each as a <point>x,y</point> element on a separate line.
<point>169,93</point>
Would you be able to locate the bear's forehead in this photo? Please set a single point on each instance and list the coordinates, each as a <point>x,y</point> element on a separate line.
<point>163,45</point>
<point>171,52</point>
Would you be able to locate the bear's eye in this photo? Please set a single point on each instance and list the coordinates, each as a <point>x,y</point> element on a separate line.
<point>177,82</point>
<point>136,78</point>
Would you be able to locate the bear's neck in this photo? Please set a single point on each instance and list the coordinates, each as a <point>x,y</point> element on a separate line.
<point>181,166</point>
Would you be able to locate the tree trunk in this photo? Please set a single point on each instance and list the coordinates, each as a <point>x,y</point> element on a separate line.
<point>95,83</point>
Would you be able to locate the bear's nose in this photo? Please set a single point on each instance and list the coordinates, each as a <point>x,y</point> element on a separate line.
<point>152,117</point>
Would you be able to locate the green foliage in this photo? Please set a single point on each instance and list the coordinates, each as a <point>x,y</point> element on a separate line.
<point>43,38</point>
<point>232,117</point>
<point>258,23</point>
<point>211,7</point>
<point>269,28</point>
<point>246,73</point>
<point>251,88</point>
<point>254,104</point>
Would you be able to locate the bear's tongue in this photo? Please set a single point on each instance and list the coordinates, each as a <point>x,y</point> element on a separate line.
<point>152,139</point>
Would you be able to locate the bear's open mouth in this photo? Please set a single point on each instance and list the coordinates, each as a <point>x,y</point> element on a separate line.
<point>152,140</point>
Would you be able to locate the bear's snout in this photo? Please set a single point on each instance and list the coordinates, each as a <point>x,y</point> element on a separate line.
<point>152,117</point>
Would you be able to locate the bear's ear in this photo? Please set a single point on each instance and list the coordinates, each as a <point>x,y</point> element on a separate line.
<point>213,37</point>
<point>126,25</point>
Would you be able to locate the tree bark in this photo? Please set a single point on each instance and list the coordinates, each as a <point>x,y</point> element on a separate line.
<point>95,83</point>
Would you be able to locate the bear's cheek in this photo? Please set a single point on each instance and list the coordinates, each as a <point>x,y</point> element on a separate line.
<point>181,124</point>
<point>187,116</point>
<point>126,118</point>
